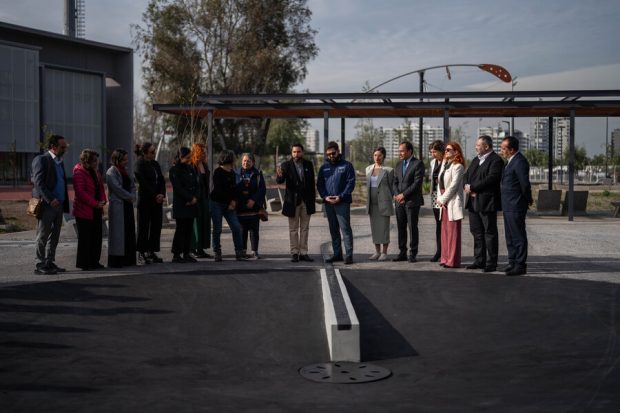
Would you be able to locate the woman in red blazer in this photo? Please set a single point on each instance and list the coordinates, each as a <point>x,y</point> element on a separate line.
<point>88,210</point>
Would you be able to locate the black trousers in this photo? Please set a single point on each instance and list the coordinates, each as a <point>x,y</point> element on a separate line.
<point>516,238</point>
<point>407,219</point>
<point>90,236</point>
<point>250,224</point>
<point>437,231</point>
<point>150,215</point>
<point>182,239</point>
<point>483,227</point>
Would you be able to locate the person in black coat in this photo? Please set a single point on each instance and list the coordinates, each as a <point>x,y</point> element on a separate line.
<point>151,196</point>
<point>516,198</point>
<point>408,179</point>
<point>184,204</point>
<point>299,200</point>
<point>481,181</point>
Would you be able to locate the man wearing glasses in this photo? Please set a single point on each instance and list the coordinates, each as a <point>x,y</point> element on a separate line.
<point>408,179</point>
<point>335,183</point>
<point>50,184</point>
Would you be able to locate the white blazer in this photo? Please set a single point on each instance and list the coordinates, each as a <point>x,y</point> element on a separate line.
<point>384,190</point>
<point>453,196</point>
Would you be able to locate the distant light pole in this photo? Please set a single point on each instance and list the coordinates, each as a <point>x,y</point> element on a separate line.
<point>496,70</point>
<point>606,146</point>
<point>512,119</point>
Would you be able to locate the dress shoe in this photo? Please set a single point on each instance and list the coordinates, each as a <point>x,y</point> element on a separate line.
<point>435,258</point>
<point>254,255</point>
<point>400,257</point>
<point>218,256</point>
<point>516,271</point>
<point>98,266</point>
<point>44,271</point>
<point>189,258</point>
<point>295,258</point>
<point>334,258</point>
<point>382,257</point>
<point>306,257</point>
<point>178,259</point>
<point>475,266</point>
<point>490,268</point>
<point>348,260</point>
<point>199,253</point>
<point>412,259</point>
<point>374,256</point>
<point>56,267</point>
<point>154,258</point>
<point>507,268</point>
<point>241,256</point>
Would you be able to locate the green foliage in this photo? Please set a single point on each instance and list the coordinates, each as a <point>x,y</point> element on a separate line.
<point>606,193</point>
<point>283,133</point>
<point>367,138</point>
<point>536,157</point>
<point>190,48</point>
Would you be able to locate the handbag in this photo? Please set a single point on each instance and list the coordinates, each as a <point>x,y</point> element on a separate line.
<point>263,215</point>
<point>35,207</point>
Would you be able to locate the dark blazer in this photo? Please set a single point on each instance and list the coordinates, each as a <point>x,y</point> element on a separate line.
<point>296,190</point>
<point>411,183</point>
<point>184,187</point>
<point>44,179</point>
<point>484,180</point>
<point>150,181</point>
<point>515,186</point>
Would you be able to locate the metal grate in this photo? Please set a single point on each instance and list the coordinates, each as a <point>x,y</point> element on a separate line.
<point>344,372</point>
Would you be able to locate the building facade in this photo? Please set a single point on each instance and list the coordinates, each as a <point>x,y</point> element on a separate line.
<point>54,84</point>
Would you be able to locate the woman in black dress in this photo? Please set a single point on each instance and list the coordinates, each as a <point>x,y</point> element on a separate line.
<point>184,204</point>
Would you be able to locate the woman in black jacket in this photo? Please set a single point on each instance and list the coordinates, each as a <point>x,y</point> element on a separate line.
<point>151,195</point>
<point>251,188</point>
<point>184,204</point>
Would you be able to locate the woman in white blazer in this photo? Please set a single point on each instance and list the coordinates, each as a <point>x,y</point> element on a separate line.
<point>379,204</point>
<point>450,199</point>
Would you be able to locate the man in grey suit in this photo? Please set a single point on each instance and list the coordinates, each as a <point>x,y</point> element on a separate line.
<point>408,179</point>
<point>50,183</point>
<point>516,198</point>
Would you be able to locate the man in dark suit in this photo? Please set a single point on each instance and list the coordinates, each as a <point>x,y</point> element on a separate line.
<point>408,178</point>
<point>516,198</point>
<point>482,182</point>
<point>299,199</point>
<point>50,184</point>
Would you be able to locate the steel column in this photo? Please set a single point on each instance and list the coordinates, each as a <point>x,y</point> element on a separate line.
<point>571,166</point>
<point>342,146</point>
<point>550,149</point>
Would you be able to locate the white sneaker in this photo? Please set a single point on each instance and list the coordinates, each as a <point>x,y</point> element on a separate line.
<point>382,257</point>
<point>374,256</point>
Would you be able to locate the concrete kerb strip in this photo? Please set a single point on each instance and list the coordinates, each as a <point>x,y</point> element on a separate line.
<point>341,323</point>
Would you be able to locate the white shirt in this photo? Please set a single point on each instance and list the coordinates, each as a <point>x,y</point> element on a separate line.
<point>374,181</point>
<point>483,158</point>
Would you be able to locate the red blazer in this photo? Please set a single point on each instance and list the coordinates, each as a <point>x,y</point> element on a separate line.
<point>84,187</point>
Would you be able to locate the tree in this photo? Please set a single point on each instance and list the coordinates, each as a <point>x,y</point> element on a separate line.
<point>282,134</point>
<point>367,138</point>
<point>536,157</point>
<point>191,48</point>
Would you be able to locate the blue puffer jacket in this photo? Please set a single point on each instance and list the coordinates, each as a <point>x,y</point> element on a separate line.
<point>336,178</point>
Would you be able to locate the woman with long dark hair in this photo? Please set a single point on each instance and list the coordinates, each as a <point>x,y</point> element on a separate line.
<point>201,234</point>
<point>122,228</point>
<point>450,200</point>
<point>88,210</point>
<point>151,196</point>
<point>436,150</point>
<point>379,202</point>
<point>184,204</point>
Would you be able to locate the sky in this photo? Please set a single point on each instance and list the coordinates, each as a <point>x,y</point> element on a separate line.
<point>546,45</point>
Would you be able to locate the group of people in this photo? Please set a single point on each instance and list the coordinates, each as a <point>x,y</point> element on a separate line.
<point>238,196</point>
<point>482,189</point>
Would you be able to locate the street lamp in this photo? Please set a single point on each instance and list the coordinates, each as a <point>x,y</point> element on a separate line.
<point>496,70</point>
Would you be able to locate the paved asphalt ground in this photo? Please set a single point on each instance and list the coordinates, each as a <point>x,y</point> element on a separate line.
<point>231,336</point>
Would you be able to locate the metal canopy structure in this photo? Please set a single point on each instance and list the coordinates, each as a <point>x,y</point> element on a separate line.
<point>446,105</point>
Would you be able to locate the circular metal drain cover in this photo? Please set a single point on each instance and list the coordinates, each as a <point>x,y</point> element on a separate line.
<point>344,372</point>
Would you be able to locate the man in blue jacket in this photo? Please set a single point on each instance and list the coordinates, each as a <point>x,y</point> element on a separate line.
<point>335,183</point>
